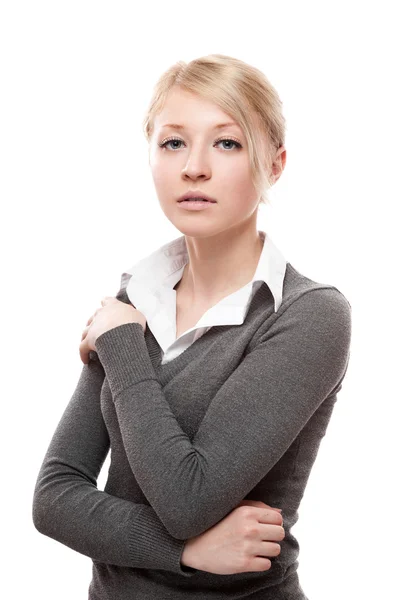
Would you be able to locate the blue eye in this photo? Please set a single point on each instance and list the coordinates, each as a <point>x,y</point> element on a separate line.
<point>237,145</point>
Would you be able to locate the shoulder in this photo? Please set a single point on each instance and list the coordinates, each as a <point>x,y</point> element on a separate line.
<point>321,307</point>
<point>306,295</point>
<point>314,314</point>
<point>319,300</point>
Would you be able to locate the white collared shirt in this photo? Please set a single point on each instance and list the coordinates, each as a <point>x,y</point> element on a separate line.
<point>150,290</point>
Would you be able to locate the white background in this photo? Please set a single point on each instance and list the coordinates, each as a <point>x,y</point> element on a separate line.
<point>79,208</point>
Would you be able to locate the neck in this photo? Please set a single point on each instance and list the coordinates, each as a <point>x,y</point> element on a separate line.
<point>219,265</point>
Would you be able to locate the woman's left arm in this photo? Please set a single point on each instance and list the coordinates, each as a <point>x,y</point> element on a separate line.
<point>252,420</point>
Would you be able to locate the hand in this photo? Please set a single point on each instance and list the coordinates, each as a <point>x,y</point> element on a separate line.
<point>112,313</point>
<point>239,543</point>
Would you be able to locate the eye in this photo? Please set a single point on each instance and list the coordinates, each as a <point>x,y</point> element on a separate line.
<point>165,143</point>
<point>236,144</point>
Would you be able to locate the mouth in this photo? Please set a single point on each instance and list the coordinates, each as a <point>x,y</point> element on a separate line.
<point>196,197</point>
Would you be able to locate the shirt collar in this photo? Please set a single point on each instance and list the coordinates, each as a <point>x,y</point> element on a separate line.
<point>163,268</point>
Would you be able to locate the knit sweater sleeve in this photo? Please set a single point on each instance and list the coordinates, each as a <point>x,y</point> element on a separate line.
<point>68,507</point>
<point>255,416</point>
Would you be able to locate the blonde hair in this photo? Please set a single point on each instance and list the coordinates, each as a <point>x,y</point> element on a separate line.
<point>240,90</point>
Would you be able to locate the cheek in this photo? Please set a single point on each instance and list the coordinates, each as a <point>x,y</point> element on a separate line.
<point>239,180</point>
<point>156,162</point>
<point>161,174</point>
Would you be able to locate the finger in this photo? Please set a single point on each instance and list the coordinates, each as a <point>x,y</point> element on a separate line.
<point>262,504</point>
<point>93,316</point>
<point>269,515</point>
<point>85,332</point>
<point>84,354</point>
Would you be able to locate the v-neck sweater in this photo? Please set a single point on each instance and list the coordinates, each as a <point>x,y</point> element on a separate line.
<point>239,414</point>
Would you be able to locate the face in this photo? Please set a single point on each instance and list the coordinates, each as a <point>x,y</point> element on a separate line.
<point>204,158</point>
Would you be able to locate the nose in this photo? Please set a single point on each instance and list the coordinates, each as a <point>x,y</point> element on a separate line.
<point>197,167</point>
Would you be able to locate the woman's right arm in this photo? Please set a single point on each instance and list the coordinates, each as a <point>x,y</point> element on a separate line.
<point>68,507</point>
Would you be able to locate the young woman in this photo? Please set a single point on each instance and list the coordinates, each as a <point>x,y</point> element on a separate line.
<point>212,375</point>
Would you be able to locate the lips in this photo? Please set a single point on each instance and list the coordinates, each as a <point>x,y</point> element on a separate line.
<point>196,194</point>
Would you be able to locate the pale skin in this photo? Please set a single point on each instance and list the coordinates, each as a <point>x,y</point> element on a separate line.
<point>224,248</point>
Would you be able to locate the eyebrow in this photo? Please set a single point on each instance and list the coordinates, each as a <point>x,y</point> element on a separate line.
<point>219,126</point>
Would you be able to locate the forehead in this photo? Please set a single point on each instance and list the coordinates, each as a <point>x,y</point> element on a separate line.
<point>187,111</point>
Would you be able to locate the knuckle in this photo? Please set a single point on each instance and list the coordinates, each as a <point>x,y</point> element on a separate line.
<point>246,511</point>
<point>250,530</point>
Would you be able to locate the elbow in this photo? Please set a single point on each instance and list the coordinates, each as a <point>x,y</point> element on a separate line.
<point>44,502</point>
<point>40,514</point>
<point>37,519</point>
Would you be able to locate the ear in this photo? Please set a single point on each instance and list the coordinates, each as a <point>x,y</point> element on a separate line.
<point>278,165</point>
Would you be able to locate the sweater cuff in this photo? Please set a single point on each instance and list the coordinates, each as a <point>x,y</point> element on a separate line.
<point>152,545</point>
<point>123,353</point>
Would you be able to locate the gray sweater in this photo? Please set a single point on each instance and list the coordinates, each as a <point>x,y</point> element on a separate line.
<point>239,414</point>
